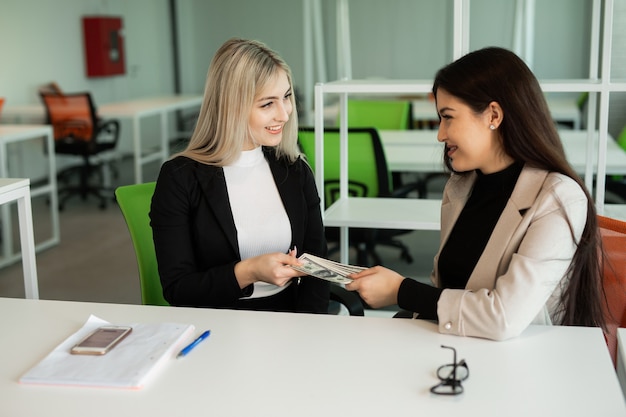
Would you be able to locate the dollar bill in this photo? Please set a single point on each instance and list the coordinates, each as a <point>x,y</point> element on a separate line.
<point>326,269</point>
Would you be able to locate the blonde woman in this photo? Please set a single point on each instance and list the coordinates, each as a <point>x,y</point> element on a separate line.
<point>232,211</point>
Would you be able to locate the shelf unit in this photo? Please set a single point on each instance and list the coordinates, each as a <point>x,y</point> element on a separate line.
<point>420,214</point>
<point>380,213</point>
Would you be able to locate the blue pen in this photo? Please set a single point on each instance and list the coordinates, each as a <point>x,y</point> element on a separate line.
<point>193,344</point>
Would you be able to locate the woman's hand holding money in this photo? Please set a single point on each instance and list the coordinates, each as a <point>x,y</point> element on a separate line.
<point>378,286</point>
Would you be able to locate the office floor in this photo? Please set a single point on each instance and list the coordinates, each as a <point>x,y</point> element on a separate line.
<point>95,260</point>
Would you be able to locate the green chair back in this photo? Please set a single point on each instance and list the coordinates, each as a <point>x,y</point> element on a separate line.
<point>621,139</point>
<point>134,201</point>
<point>368,174</point>
<point>380,114</point>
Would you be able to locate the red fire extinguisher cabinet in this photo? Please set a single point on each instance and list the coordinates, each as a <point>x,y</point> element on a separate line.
<point>104,46</point>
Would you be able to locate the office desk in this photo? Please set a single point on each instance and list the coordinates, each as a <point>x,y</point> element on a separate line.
<point>21,133</point>
<point>136,110</point>
<point>563,110</point>
<point>419,151</point>
<point>281,364</point>
<point>18,190</point>
<point>617,211</point>
<point>133,110</point>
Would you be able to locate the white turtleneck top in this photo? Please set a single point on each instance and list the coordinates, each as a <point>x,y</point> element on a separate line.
<point>260,218</point>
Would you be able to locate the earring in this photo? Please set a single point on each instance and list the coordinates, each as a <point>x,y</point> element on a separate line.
<point>492,127</point>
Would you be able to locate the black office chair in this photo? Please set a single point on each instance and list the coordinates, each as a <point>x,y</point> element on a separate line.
<point>368,176</point>
<point>78,131</point>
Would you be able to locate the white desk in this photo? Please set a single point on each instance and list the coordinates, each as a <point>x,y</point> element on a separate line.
<point>621,359</point>
<point>133,110</point>
<point>419,151</point>
<point>562,110</point>
<point>20,133</point>
<point>281,364</point>
<point>400,213</point>
<point>19,190</point>
<point>617,211</point>
<point>425,110</point>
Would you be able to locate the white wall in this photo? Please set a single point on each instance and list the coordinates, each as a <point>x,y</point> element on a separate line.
<point>41,41</point>
<point>392,39</point>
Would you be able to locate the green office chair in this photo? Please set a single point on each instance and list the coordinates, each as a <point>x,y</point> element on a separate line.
<point>380,114</point>
<point>134,201</point>
<point>368,176</point>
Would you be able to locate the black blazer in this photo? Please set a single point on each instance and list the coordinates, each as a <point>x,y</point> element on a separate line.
<point>196,240</point>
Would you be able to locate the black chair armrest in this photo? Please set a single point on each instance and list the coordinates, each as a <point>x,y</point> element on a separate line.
<point>348,299</point>
<point>111,127</point>
<point>403,190</point>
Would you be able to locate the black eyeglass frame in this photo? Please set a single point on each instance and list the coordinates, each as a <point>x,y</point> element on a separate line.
<point>451,380</point>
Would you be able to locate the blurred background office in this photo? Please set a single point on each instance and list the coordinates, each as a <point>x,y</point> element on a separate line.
<point>169,43</point>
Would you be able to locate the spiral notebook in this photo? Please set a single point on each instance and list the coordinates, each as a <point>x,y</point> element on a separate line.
<point>129,365</point>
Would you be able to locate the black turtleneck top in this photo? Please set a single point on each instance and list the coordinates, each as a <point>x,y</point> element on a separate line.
<point>466,242</point>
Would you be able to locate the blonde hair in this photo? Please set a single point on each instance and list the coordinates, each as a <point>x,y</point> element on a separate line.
<point>239,71</point>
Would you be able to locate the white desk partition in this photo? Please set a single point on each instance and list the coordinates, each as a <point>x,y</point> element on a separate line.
<point>18,190</point>
<point>286,364</point>
<point>20,133</point>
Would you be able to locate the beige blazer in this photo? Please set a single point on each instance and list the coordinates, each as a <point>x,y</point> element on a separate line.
<point>518,278</point>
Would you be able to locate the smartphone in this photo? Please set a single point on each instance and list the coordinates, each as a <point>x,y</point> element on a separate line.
<point>101,340</point>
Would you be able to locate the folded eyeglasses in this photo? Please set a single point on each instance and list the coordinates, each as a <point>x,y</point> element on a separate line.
<point>450,376</point>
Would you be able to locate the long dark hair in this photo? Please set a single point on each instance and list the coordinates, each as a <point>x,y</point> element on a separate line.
<point>529,135</point>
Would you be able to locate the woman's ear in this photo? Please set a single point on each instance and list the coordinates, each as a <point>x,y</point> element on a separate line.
<point>495,114</point>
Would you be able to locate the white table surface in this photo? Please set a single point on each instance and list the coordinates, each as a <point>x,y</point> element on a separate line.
<point>281,364</point>
<point>423,109</point>
<point>617,211</point>
<point>400,213</point>
<point>419,151</point>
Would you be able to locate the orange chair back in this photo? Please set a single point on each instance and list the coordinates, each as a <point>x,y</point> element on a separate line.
<point>613,234</point>
<point>71,115</point>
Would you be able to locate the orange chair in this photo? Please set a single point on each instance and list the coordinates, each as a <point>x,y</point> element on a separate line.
<point>613,234</point>
<point>77,131</point>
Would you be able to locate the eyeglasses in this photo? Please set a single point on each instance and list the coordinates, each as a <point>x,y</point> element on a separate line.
<point>451,375</point>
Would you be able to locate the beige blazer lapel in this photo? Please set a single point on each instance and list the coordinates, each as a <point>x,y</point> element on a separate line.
<point>509,230</point>
<point>458,191</point>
